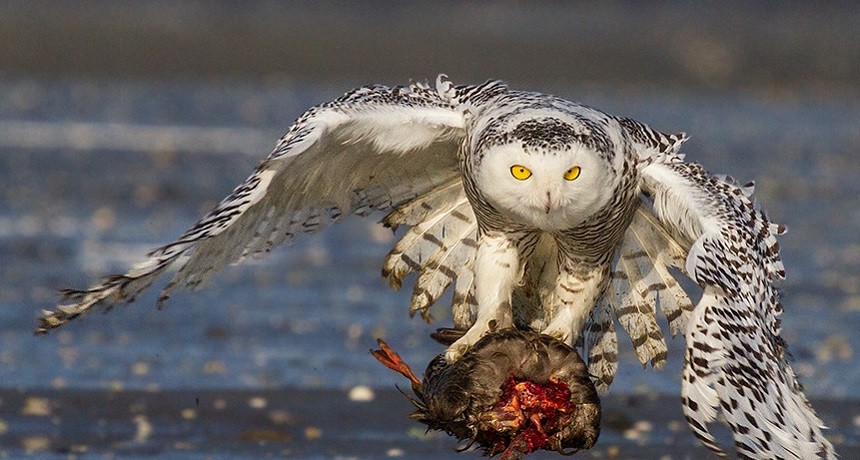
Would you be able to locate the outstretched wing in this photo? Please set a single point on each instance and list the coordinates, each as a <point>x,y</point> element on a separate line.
<point>371,149</point>
<point>735,358</point>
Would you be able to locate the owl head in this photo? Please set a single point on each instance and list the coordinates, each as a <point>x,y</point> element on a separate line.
<point>549,173</point>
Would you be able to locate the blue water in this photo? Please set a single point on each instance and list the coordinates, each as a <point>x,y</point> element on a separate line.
<point>79,200</point>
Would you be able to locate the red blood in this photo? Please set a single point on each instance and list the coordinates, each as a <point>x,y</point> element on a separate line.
<point>526,415</point>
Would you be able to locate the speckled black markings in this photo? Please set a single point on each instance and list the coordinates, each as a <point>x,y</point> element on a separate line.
<point>644,135</point>
<point>741,262</point>
<point>546,135</point>
<point>542,134</point>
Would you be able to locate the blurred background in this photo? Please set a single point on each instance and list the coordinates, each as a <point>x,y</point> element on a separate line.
<point>121,123</point>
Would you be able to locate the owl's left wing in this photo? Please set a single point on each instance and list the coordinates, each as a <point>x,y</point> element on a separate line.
<point>735,359</point>
<point>372,149</point>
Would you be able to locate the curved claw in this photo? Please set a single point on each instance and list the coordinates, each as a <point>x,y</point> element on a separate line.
<point>470,443</point>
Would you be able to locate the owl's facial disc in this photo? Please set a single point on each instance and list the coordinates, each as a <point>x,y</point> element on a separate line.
<point>523,173</point>
<point>551,190</point>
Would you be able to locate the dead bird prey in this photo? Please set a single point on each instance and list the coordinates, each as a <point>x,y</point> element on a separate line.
<point>513,393</point>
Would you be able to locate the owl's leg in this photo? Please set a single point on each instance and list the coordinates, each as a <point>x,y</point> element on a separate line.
<point>575,294</point>
<point>496,269</point>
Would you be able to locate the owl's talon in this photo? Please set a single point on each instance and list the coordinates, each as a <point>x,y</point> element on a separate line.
<point>454,352</point>
<point>559,333</point>
<point>470,338</point>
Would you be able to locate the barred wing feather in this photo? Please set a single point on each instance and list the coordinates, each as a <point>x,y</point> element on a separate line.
<point>735,359</point>
<point>371,149</point>
<point>440,246</point>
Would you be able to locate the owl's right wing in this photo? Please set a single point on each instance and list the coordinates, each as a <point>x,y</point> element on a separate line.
<point>372,149</point>
<point>736,362</point>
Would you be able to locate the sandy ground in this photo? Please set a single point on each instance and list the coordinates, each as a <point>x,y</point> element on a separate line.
<point>310,424</point>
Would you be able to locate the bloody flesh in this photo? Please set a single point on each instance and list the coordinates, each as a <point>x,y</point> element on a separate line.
<point>525,415</point>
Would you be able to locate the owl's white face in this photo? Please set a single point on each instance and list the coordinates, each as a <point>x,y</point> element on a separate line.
<point>551,190</point>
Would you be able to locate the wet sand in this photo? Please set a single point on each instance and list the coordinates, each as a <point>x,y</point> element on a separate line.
<point>303,423</point>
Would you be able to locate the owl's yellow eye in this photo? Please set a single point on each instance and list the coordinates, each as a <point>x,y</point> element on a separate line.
<point>520,172</point>
<point>571,173</point>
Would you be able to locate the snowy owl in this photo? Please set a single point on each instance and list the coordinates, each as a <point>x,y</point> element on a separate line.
<point>543,214</point>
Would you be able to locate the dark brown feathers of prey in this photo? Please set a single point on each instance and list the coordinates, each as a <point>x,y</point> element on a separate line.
<point>513,393</point>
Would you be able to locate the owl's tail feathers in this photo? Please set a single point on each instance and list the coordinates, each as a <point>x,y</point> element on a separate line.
<point>440,246</point>
<point>113,291</point>
<point>743,372</point>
